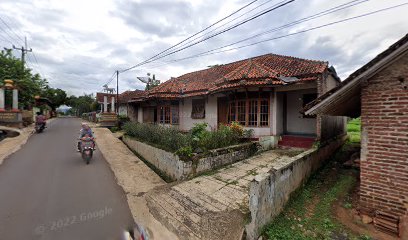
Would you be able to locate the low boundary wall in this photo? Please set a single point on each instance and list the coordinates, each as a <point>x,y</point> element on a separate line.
<point>177,169</point>
<point>269,192</point>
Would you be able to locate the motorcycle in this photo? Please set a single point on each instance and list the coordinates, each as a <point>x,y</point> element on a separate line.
<point>87,148</point>
<point>39,127</point>
<point>137,233</point>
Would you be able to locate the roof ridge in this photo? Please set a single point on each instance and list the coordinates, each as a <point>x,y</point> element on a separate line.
<point>298,58</point>
<point>252,58</point>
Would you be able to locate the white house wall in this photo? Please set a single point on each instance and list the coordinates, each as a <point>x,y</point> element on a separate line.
<point>211,115</point>
<point>295,121</point>
<point>185,107</point>
<point>140,114</point>
<point>123,110</point>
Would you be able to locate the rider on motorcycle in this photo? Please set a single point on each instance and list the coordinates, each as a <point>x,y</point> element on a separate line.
<point>40,119</point>
<point>85,131</point>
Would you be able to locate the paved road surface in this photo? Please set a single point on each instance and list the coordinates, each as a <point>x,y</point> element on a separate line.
<point>47,192</point>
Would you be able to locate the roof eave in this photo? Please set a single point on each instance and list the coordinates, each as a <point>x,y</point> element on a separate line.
<point>327,104</point>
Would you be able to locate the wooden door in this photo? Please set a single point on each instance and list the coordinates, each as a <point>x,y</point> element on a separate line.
<point>222,109</point>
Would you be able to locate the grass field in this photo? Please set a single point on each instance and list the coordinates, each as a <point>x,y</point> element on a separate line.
<point>309,212</point>
<point>354,130</point>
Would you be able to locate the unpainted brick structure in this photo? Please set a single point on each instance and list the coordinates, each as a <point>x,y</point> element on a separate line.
<point>378,92</point>
<point>384,154</point>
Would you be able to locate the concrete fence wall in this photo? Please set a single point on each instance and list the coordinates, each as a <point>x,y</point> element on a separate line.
<point>176,169</point>
<point>269,192</point>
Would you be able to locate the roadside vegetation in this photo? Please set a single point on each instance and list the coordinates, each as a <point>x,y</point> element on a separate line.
<point>197,140</point>
<point>309,213</point>
<point>354,130</point>
<point>29,84</point>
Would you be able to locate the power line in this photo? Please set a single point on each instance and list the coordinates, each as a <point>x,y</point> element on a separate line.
<point>305,19</point>
<point>213,30</point>
<point>8,40</point>
<point>111,78</point>
<point>203,30</point>
<point>5,39</point>
<point>5,23</point>
<point>211,52</point>
<point>211,36</point>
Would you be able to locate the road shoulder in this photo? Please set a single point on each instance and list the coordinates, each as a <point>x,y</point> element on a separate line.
<point>135,178</point>
<point>11,145</point>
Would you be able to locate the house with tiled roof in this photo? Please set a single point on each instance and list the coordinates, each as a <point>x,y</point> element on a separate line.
<point>106,101</point>
<point>125,107</point>
<point>264,93</point>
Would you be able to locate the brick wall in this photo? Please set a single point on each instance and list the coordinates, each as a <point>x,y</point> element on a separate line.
<point>384,153</point>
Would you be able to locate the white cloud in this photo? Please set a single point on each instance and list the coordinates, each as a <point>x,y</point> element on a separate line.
<point>80,43</point>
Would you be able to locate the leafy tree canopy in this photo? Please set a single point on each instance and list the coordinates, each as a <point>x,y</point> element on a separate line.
<point>82,104</point>
<point>28,83</point>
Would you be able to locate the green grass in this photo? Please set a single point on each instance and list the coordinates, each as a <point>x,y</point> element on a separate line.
<point>354,130</point>
<point>308,215</point>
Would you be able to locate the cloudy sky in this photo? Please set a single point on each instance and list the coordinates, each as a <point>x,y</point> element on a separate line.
<point>78,44</point>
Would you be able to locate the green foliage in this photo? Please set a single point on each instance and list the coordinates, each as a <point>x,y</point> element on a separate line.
<point>348,206</point>
<point>354,130</point>
<point>81,104</point>
<point>308,214</point>
<point>57,96</point>
<point>152,83</point>
<point>198,140</point>
<point>225,135</point>
<point>29,84</point>
<point>364,237</point>
<point>114,129</point>
<point>186,151</point>
<point>354,125</point>
<point>166,138</point>
<point>123,118</point>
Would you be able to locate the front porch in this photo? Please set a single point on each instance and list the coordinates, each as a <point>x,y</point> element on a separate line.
<point>273,114</point>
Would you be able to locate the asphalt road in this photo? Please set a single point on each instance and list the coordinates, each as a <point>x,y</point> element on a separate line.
<point>48,192</point>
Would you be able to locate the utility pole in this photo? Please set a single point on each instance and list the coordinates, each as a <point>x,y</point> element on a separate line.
<point>117,92</point>
<point>23,50</point>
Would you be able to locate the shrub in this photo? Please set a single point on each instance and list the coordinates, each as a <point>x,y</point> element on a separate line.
<point>186,151</point>
<point>198,140</point>
<point>225,135</point>
<point>167,138</point>
<point>114,129</point>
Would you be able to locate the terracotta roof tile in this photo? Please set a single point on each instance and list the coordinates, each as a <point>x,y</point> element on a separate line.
<point>128,95</point>
<point>261,70</point>
<point>100,95</point>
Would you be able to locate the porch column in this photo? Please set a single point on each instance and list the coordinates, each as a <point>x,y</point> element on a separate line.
<point>273,113</point>
<point>113,105</point>
<point>105,103</point>
<point>2,100</point>
<point>15,100</point>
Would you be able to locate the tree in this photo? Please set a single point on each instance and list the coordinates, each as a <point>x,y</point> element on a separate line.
<point>29,84</point>
<point>152,83</point>
<point>57,96</point>
<point>81,104</point>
